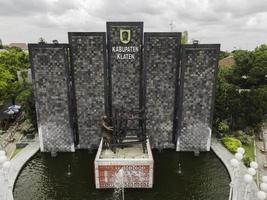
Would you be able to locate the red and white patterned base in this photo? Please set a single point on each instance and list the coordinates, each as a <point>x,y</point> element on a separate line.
<point>137,173</point>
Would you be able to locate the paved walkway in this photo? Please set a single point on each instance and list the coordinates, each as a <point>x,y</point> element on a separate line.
<point>240,186</point>
<point>9,139</point>
<point>6,187</point>
<point>7,181</point>
<point>261,158</point>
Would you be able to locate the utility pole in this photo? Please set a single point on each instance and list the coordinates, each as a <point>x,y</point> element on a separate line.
<point>171,26</point>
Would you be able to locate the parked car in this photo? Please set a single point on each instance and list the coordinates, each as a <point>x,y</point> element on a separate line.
<point>11,110</point>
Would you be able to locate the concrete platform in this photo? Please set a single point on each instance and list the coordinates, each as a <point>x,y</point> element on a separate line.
<point>137,167</point>
<point>7,181</point>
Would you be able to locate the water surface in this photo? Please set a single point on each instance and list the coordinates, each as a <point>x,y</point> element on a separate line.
<point>46,178</point>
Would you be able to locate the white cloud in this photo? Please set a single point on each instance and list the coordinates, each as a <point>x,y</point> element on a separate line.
<point>233,23</point>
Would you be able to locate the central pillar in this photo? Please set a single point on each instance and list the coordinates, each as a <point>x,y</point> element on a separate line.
<point>124,42</point>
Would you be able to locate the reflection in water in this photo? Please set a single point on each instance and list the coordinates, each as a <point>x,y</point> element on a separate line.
<point>118,193</point>
<point>201,178</point>
<point>179,168</point>
<point>69,170</point>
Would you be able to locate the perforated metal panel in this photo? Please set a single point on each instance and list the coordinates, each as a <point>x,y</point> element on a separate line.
<point>199,67</point>
<point>50,69</point>
<point>161,56</point>
<point>125,74</point>
<point>88,53</point>
<point>179,106</point>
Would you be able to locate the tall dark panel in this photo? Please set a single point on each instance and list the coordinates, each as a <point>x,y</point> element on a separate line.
<point>161,57</point>
<point>199,70</point>
<point>88,57</point>
<point>125,63</point>
<point>50,71</point>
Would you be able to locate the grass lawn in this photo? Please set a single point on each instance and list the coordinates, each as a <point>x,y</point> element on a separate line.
<point>250,150</point>
<point>232,143</point>
<point>264,124</point>
<point>16,152</point>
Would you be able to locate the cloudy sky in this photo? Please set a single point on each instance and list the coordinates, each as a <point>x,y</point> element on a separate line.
<point>233,23</point>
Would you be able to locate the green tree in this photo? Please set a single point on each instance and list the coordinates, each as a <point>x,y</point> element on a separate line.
<point>251,68</point>
<point>242,109</point>
<point>1,44</point>
<point>26,99</point>
<point>257,75</point>
<point>185,37</point>
<point>224,54</point>
<point>5,80</point>
<point>11,61</point>
<point>14,59</point>
<point>227,99</point>
<point>42,40</point>
<point>244,60</point>
<point>11,89</point>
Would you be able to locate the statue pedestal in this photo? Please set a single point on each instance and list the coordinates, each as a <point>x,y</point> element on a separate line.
<point>136,167</point>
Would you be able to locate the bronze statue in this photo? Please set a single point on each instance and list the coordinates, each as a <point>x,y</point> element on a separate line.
<point>116,128</point>
<point>107,131</point>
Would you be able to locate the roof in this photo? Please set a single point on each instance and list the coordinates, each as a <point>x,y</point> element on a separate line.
<point>23,46</point>
<point>227,62</point>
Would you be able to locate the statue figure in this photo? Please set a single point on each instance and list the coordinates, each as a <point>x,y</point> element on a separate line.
<point>115,129</point>
<point>107,131</point>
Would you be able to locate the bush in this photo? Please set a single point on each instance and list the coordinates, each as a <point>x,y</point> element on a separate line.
<point>238,133</point>
<point>25,126</point>
<point>250,131</point>
<point>247,160</point>
<point>25,94</point>
<point>243,137</point>
<point>231,143</point>
<point>223,127</point>
<point>25,98</point>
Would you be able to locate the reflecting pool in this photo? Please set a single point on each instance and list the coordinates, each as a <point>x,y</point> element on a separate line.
<point>70,176</point>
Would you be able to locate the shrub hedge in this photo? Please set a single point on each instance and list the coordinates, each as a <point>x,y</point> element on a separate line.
<point>231,143</point>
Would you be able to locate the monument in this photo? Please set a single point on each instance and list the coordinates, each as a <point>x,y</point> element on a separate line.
<point>124,92</point>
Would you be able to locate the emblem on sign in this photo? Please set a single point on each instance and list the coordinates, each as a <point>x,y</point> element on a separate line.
<point>125,36</point>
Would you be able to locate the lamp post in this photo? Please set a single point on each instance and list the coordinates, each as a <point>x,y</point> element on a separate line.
<point>264,179</point>
<point>240,150</point>
<point>235,165</point>
<point>239,156</point>
<point>6,167</point>
<point>254,165</point>
<point>3,159</point>
<point>261,194</point>
<point>248,178</point>
<point>4,171</point>
<point>263,187</point>
<point>2,153</point>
